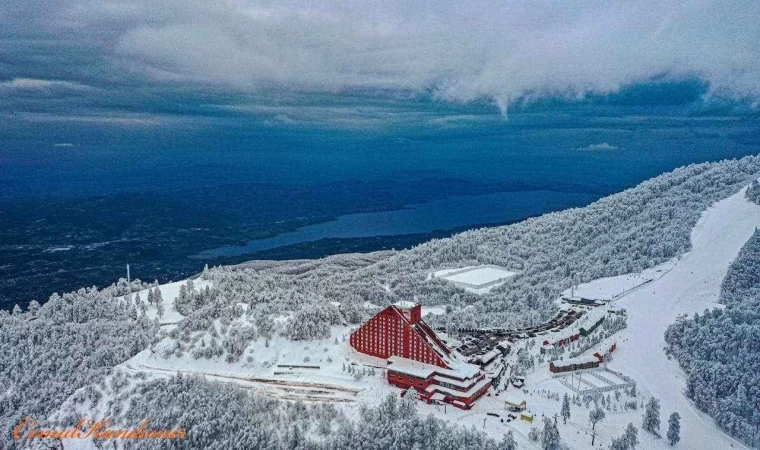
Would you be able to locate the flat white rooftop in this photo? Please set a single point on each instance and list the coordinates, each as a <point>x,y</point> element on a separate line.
<point>476,278</point>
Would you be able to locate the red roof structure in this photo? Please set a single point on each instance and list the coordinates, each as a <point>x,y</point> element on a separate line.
<point>417,358</point>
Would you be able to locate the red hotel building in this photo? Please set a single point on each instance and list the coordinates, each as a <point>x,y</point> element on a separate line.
<point>417,358</point>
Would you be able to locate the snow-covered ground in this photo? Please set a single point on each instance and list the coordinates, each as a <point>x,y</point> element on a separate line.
<point>691,286</point>
<point>476,279</point>
<point>684,286</point>
<point>610,288</point>
<point>169,292</point>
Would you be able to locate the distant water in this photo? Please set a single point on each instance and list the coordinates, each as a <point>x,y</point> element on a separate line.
<point>160,197</point>
<point>436,215</point>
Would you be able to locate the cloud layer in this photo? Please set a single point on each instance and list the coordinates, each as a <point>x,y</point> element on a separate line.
<point>454,50</point>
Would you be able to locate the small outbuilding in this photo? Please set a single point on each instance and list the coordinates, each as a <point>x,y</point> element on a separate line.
<point>515,401</point>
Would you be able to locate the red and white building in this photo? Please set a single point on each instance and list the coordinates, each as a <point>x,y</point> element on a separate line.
<point>417,358</point>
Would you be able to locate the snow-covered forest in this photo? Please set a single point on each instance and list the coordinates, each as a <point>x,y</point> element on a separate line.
<point>71,343</point>
<point>720,350</point>
<point>50,351</point>
<point>225,416</point>
<point>623,233</point>
<point>753,192</point>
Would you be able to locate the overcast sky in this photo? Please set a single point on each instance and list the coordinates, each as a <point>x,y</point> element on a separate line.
<point>134,61</point>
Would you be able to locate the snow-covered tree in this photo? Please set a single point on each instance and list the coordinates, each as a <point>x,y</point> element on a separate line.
<point>159,309</point>
<point>651,421</point>
<point>565,408</point>
<point>619,443</point>
<point>157,296</point>
<point>550,436</point>
<point>34,306</point>
<point>595,416</point>
<point>631,436</point>
<point>508,442</point>
<point>674,428</point>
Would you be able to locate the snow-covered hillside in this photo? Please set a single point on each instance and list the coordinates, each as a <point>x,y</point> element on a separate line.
<point>653,299</point>
<point>278,329</point>
<point>677,287</point>
<point>692,286</point>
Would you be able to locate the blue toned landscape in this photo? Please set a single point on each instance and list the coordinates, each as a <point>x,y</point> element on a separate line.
<point>342,225</point>
<point>446,214</point>
<point>79,203</point>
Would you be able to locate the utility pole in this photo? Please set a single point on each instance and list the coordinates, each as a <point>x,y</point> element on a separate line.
<point>593,435</point>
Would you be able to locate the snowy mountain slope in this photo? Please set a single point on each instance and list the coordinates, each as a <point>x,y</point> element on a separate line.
<point>691,286</point>
<point>654,298</point>
<point>688,285</point>
<point>684,286</point>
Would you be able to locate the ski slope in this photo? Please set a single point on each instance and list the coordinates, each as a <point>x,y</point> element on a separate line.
<point>691,286</point>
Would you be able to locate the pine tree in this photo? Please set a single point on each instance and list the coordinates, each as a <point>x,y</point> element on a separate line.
<point>565,408</point>
<point>674,428</point>
<point>150,297</point>
<point>180,299</point>
<point>550,436</point>
<point>632,435</point>
<point>508,442</point>
<point>619,443</point>
<point>34,306</point>
<point>159,309</point>
<point>651,422</point>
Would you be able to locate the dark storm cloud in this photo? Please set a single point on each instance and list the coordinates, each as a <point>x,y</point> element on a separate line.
<point>138,59</point>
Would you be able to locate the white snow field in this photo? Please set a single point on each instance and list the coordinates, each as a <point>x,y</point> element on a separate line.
<point>169,292</point>
<point>691,286</point>
<point>477,279</point>
<point>611,288</point>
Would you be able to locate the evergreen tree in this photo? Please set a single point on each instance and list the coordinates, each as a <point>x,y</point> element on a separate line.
<point>674,428</point>
<point>632,435</point>
<point>157,298</point>
<point>159,309</point>
<point>619,443</point>
<point>508,442</point>
<point>150,297</point>
<point>550,436</point>
<point>651,422</point>
<point>565,408</point>
<point>34,306</point>
<point>180,299</point>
